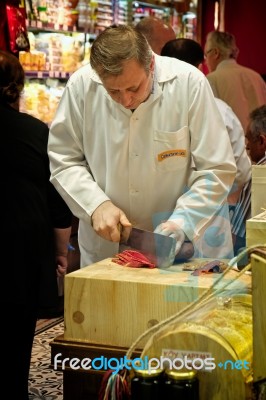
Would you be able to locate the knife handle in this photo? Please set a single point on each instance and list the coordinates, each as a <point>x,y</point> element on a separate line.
<point>122,239</point>
<point>120,228</point>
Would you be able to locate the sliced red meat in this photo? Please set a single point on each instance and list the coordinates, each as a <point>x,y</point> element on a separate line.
<point>133,258</point>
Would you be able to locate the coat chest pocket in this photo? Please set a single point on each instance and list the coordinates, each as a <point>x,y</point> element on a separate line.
<point>171,150</point>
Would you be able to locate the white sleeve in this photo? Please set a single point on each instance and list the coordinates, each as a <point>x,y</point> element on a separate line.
<point>237,139</point>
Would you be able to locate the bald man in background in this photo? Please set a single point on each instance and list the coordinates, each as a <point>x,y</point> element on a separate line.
<point>156,31</point>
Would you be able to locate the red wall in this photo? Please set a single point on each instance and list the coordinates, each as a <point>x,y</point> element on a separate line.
<point>247,21</point>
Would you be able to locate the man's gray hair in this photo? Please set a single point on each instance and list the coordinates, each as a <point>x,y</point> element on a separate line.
<point>258,122</point>
<point>116,45</point>
<point>225,42</point>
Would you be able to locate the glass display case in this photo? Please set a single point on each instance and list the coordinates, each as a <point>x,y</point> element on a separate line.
<point>61,33</point>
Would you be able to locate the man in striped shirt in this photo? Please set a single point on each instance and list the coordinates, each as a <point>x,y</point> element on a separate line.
<point>256,147</point>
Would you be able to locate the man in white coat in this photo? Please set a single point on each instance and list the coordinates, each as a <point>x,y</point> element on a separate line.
<point>190,51</point>
<point>138,140</point>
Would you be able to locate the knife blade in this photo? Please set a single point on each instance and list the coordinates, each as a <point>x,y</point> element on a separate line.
<point>158,248</point>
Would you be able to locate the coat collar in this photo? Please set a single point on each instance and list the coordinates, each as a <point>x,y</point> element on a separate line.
<point>227,62</point>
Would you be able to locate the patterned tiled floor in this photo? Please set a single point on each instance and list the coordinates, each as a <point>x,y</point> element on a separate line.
<point>44,382</point>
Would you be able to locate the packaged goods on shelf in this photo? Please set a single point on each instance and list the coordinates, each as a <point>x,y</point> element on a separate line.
<point>88,15</point>
<point>54,52</point>
<point>57,12</point>
<point>87,52</point>
<point>71,3</point>
<point>141,10</point>
<point>84,11</point>
<point>33,61</point>
<point>41,99</point>
<point>189,20</point>
<point>72,54</point>
<point>60,35</point>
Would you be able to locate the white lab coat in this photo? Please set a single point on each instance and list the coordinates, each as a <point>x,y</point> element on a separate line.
<point>237,139</point>
<point>172,154</point>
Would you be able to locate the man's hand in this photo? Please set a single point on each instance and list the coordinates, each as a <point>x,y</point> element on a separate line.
<point>62,264</point>
<point>109,221</point>
<point>183,250</point>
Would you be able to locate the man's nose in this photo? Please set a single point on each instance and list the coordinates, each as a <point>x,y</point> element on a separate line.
<point>125,98</point>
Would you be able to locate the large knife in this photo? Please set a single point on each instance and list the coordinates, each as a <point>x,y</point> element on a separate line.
<point>157,248</point>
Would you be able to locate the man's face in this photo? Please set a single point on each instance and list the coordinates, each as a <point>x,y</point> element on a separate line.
<point>210,55</point>
<point>255,147</point>
<point>132,87</point>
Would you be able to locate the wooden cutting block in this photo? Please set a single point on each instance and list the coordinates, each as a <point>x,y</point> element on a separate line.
<point>258,263</point>
<point>258,189</point>
<point>256,230</point>
<point>106,303</point>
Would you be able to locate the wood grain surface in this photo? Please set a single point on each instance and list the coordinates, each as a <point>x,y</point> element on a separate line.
<point>110,304</point>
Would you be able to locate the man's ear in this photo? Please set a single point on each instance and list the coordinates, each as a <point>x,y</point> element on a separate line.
<point>216,53</point>
<point>263,141</point>
<point>152,63</point>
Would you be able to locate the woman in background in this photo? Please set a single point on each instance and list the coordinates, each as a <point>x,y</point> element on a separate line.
<point>36,227</point>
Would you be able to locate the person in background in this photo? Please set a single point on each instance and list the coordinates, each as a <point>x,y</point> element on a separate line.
<point>134,142</point>
<point>256,146</point>
<point>190,51</point>
<point>241,88</point>
<point>156,31</point>
<point>36,228</point>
